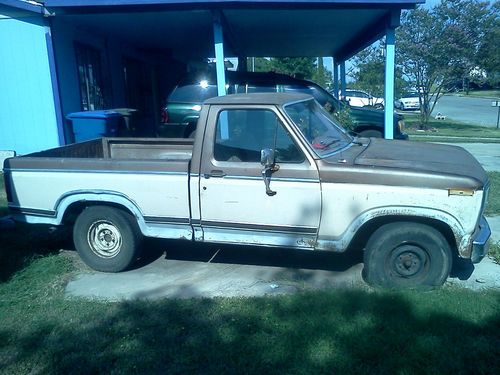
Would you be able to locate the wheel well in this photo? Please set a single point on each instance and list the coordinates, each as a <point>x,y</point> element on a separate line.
<point>363,234</point>
<point>76,208</point>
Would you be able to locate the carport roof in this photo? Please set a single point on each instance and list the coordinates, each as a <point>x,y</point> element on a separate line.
<point>277,28</point>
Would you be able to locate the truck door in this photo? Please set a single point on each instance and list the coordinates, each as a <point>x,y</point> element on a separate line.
<point>235,207</point>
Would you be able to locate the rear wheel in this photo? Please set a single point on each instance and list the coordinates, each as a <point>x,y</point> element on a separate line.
<point>106,238</point>
<point>407,255</point>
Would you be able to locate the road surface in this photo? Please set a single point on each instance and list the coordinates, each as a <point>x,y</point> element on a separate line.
<point>477,111</point>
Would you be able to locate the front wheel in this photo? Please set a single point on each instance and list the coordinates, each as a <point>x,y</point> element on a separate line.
<point>407,254</point>
<point>378,106</point>
<point>106,238</point>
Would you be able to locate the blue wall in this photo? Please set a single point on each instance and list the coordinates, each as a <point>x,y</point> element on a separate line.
<point>27,113</point>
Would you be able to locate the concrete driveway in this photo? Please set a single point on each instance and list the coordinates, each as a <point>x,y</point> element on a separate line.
<point>184,270</point>
<point>176,269</point>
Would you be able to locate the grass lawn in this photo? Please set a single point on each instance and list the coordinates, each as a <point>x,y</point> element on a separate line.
<point>356,331</point>
<point>493,207</point>
<point>449,128</point>
<point>483,93</point>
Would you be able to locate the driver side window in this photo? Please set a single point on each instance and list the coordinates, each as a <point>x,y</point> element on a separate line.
<point>242,133</point>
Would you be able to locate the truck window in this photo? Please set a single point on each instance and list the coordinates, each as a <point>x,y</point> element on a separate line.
<point>242,133</point>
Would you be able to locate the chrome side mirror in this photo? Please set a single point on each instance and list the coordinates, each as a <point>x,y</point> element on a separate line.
<point>269,166</point>
<point>267,157</point>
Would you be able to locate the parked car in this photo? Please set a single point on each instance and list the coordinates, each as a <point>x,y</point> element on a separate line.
<point>269,170</point>
<point>409,101</point>
<point>183,105</point>
<point>359,98</point>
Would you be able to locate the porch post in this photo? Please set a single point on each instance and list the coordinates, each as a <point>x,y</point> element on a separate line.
<point>219,55</point>
<point>335,79</point>
<point>390,57</point>
<point>342,79</point>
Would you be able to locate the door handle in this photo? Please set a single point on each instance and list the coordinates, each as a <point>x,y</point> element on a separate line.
<point>216,173</point>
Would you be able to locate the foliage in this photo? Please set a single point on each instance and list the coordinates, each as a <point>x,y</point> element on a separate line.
<point>258,64</point>
<point>322,76</point>
<point>439,47</point>
<point>369,73</point>
<point>299,67</point>
<point>344,117</point>
<point>488,55</point>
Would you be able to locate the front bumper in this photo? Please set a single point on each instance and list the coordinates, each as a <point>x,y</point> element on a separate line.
<point>480,241</point>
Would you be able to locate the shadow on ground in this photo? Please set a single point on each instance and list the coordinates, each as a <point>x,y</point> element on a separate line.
<point>21,243</point>
<point>248,255</point>
<point>355,332</point>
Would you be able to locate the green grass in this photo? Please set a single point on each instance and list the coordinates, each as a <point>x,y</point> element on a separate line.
<point>446,331</point>
<point>493,207</point>
<point>3,198</point>
<point>494,252</point>
<point>448,128</point>
<point>483,93</point>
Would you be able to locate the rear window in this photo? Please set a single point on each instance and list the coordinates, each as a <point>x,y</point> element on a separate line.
<point>192,94</point>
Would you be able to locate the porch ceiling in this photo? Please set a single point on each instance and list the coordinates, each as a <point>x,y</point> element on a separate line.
<point>251,28</point>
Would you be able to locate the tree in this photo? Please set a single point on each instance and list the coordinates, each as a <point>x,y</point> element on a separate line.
<point>369,72</point>
<point>258,64</point>
<point>488,55</point>
<point>322,76</point>
<point>299,67</point>
<point>438,48</point>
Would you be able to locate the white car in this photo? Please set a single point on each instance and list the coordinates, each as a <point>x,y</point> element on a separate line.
<point>408,102</point>
<point>358,98</point>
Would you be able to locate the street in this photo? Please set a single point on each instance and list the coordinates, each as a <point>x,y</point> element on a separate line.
<point>477,111</point>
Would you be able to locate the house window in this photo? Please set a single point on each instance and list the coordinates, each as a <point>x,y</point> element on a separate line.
<point>89,65</point>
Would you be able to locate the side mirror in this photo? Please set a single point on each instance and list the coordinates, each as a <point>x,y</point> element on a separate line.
<point>267,158</point>
<point>269,166</point>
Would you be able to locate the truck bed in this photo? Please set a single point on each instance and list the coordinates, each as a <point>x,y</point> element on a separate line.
<point>151,173</point>
<point>168,149</point>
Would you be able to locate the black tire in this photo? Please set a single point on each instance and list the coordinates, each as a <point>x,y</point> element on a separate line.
<point>106,238</point>
<point>407,254</point>
<point>378,106</point>
<point>370,133</point>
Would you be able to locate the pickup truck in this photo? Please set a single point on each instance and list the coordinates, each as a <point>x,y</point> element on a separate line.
<point>265,169</point>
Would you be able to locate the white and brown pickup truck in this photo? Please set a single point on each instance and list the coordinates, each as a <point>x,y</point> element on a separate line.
<point>268,170</point>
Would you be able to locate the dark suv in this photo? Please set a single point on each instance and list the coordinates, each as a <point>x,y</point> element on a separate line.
<point>183,105</point>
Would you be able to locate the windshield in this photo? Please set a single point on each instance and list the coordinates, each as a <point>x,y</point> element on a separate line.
<point>317,127</point>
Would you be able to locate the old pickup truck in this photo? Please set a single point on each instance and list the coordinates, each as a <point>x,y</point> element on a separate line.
<point>268,170</point>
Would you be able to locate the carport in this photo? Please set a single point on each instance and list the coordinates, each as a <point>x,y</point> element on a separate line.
<point>245,28</point>
<point>189,31</point>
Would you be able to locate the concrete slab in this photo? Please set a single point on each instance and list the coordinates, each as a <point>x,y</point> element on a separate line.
<point>229,274</point>
<point>485,275</point>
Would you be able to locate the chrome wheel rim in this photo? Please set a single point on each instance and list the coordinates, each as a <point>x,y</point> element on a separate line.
<point>104,239</point>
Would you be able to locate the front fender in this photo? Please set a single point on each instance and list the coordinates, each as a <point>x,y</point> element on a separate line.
<point>342,242</point>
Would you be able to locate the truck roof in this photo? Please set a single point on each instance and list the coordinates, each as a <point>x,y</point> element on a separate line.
<point>277,98</point>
